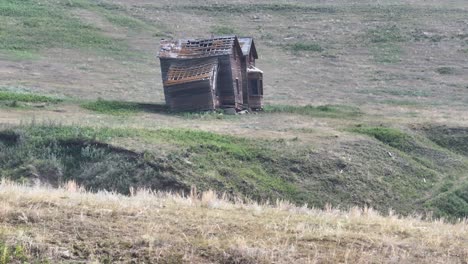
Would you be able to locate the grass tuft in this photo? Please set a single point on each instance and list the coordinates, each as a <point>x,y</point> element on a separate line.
<point>446,70</point>
<point>12,254</point>
<point>27,97</point>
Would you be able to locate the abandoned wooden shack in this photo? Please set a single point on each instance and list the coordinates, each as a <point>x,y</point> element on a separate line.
<point>212,73</point>
<point>252,76</point>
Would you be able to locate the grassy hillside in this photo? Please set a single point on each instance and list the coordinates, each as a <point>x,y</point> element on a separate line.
<point>70,225</point>
<point>408,173</point>
<point>366,104</point>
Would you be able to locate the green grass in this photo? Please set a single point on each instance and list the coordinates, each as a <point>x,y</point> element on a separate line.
<point>175,159</point>
<point>28,26</point>
<point>387,52</point>
<point>434,164</point>
<point>125,21</point>
<point>12,254</point>
<point>435,159</point>
<point>385,34</point>
<point>386,43</point>
<point>332,111</point>
<point>451,203</point>
<point>387,135</point>
<point>238,147</point>
<point>21,55</point>
<point>455,139</point>
<point>223,30</point>
<point>27,97</point>
<point>310,47</point>
<point>122,108</point>
<point>81,153</point>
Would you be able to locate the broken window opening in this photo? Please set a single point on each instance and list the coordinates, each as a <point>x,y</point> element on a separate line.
<point>253,83</point>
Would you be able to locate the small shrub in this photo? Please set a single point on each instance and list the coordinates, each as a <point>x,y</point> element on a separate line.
<point>420,35</point>
<point>454,139</point>
<point>451,203</point>
<point>445,70</point>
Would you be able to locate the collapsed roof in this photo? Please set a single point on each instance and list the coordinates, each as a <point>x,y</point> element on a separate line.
<point>190,71</point>
<point>198,48</point>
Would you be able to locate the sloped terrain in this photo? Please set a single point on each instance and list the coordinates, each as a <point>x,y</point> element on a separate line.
<point>70,225</point>
<point>400,173</point>
<point>366,104</point>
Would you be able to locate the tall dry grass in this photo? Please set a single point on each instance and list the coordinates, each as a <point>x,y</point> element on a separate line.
<point>60,224</point>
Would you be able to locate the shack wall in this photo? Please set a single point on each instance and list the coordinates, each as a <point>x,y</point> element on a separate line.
<point>238,81</point>
<point>192,96</point>
<point>245,86</point>
<point>255,101</point>
<point>225,88</point>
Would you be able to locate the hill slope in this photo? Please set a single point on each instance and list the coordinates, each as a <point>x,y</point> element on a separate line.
<point>366,106</point>
<point>366,103</point>
<point>404,172</point>
<point>70,225</point>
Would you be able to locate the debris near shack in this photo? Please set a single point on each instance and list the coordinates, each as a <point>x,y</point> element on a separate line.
<point>211,73</point>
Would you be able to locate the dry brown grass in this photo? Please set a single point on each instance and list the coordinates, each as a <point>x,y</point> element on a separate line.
<point>69,224</point>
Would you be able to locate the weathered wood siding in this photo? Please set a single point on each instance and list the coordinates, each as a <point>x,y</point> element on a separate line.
<point>198,95</point>
<point>236,60</point>
<point>245,85</point>
<point>225,88</point>
<point>255,100</point>
<point>229,87</point>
